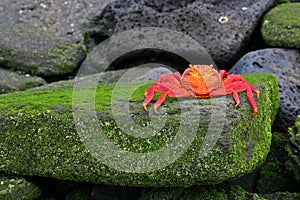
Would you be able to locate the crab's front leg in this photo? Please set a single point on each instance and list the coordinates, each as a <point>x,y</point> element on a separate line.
<point>234,84</point>
<point>169,85</point>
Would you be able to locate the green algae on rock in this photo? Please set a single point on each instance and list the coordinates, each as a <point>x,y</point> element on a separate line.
<point>17,188</point>
<point>281,26</point>
<point>281,172</point>
<point>38,136</point>
<point>293,149</point>
<point>272,175</point>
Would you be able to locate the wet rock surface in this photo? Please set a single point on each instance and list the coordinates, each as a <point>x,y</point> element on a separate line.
<point>285,64</point>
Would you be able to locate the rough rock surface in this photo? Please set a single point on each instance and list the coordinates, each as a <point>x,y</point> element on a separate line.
<point>14,81</point>
<point>281,26</point>
<point>44,38</point>
<point>285,64</point>
<point>39,136</point>
<point>17,188</point>
<point>66,19</point>
<point>224,28</point>
<point>37,52</point>
<point>137,74</point>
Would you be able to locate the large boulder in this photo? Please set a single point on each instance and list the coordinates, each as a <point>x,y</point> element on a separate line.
<point>37,52</point>
<point>41,135</point>
<point>224,28</point>
<point>283,63</point>
<point>45,38</point>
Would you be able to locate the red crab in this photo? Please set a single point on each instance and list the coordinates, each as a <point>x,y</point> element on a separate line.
<point>200,81</point>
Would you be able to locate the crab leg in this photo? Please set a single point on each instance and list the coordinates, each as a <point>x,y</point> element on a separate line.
<point>159,101</point>
<point>251,99</point>
<point>149,94</point>
<point>234,84</point>
<point>168,85</point>
<point>255,90</point>
<point>236,98</point>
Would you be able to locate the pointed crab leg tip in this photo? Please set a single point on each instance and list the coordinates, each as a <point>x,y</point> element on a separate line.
<point>145,106</point>
<point>255,112</point>
<point>237,104</point>
<point>155,109</point>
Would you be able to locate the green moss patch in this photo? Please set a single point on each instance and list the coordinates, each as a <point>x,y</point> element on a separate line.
<point>280,172</point>
<point>38,136</point>
<point>293,149</point>
<point>17,188</point>
<point>281,26</point>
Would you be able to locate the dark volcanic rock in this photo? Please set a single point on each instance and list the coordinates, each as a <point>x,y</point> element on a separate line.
<point>36,51</point>
<point>285,64</point>
<point>13,81</point>
<point>224,28</point>
<point>44,38</point>
<point>64,18</point>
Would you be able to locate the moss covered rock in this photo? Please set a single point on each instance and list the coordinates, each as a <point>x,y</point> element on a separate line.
<point>281,26</point>
<point>17,188</point>
<point>280,172</point>
<point>273,175</point>
<point>38,136</point>
<point>293,149</point>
